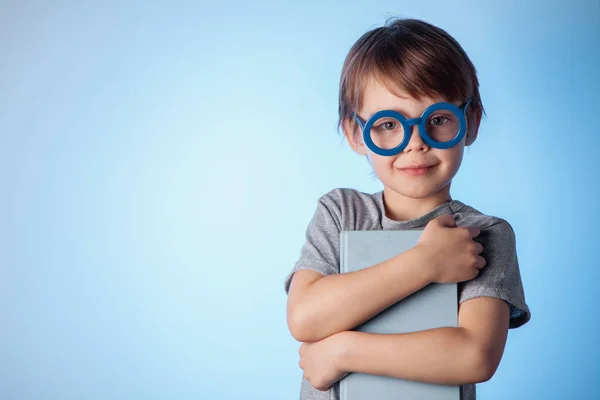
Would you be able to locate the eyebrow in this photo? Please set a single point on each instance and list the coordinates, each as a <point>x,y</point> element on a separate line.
<point>405,114</point>
<point>392,109</point>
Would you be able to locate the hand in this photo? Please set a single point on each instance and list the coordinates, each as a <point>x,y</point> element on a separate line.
<point>320,361</point>
<point>451,253</point>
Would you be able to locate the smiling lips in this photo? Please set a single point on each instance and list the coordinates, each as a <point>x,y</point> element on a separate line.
<point>416,166</point>
<point>419,169</point>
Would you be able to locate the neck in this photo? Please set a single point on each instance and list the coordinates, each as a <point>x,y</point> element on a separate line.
<point>402,208</point>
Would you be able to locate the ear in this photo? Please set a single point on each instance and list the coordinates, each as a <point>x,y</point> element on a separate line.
<point>353,136</point>
<point>473,127</point>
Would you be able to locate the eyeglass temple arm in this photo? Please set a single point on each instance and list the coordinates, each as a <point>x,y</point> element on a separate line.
<point>359,120</point>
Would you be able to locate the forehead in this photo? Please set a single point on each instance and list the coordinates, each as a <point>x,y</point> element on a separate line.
<point>379,94</point>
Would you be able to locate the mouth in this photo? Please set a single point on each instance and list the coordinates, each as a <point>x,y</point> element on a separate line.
<point>418,170</point>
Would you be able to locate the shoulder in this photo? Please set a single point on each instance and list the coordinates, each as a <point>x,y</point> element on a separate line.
<point>493,228</point>
<point>467,215</point>
<point>351,208</point>
<point>501,276</point>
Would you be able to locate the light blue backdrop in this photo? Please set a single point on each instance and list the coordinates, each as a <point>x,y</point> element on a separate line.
<point>159,164</point>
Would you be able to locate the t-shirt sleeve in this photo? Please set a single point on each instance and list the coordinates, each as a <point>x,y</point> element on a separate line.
<point>500,277</point>
<point>320,251</point>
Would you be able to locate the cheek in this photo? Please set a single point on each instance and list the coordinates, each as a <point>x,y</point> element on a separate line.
<point>379,163</point>
<point>453,158</point>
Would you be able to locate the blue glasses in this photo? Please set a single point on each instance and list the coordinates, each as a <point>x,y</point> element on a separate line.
<point>441,125</point>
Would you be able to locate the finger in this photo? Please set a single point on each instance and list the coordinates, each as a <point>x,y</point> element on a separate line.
<point>478,247</point>
<point>480,262</point>
<point>473,231</point>
<point>446,220</point>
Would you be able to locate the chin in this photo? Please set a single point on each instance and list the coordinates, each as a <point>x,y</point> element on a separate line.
<point>414,193</point>
<point>417,190</point>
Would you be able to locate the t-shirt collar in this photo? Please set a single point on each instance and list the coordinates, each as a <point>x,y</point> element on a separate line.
<point>449,207</point>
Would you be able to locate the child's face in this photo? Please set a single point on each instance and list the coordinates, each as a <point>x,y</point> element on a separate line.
<point>391,169</point>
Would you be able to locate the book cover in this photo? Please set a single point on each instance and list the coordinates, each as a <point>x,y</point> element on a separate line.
<point>436,305</point>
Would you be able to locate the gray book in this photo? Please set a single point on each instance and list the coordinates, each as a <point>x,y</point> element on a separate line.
<point>434,306</point>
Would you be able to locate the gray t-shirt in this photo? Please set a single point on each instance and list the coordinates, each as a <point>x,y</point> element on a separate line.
<point>351,210</point>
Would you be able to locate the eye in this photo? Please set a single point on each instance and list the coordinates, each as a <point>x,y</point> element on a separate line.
<point>388,125</point>
<point>438,120</point>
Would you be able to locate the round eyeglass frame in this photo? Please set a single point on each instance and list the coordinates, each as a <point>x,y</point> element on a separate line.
<point>407,123</point>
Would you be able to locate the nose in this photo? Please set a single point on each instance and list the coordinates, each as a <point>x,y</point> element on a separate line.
<point>416,142</point>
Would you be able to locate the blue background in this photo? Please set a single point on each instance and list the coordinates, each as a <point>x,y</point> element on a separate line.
<point>159,163</point>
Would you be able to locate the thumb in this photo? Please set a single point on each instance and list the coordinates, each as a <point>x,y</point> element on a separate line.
<point>447,220</point>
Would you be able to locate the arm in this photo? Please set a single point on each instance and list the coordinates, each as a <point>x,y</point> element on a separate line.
<point>321,306</point>
<point>470,353</point>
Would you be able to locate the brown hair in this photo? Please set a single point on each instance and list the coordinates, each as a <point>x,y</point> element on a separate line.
<point>413,55</point>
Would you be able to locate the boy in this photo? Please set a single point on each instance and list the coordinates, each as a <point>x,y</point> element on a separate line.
<point>409,101</point>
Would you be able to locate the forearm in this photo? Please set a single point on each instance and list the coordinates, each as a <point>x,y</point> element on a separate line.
<point>446,356</point>
<point>341,302</point>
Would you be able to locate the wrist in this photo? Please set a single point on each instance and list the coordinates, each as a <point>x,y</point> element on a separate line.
<point>344,346</point>
<point>425,262</point>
